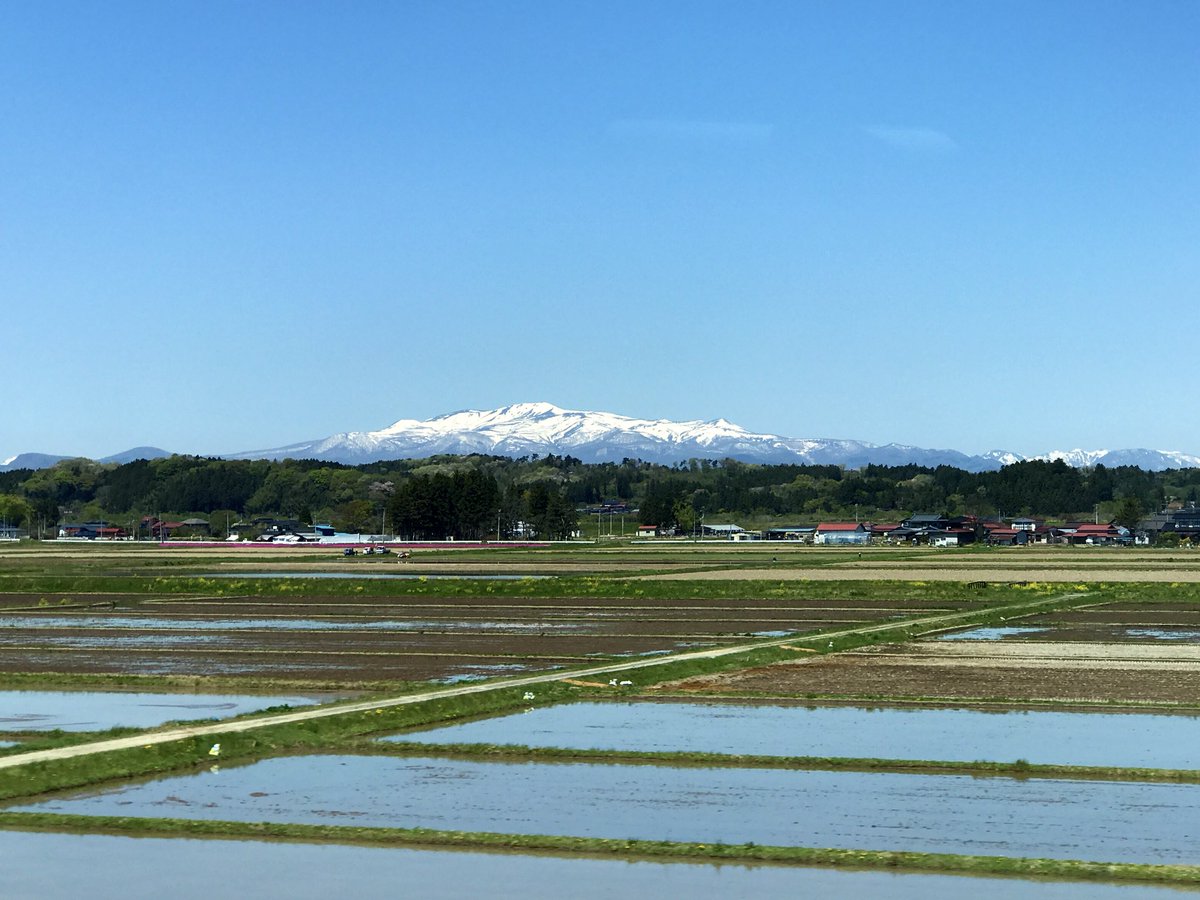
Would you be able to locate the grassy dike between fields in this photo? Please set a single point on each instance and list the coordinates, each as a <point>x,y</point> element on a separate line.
<point>612,586</point>
<point>318,734</point>
<point>658,851</point>
<point>692,759</point>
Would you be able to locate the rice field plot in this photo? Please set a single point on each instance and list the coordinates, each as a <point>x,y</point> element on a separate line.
<point>1119,653</point>
<point>351,638</point>
<point>1113,623</point>
<point>1099,821</point>
<point>1000,565</point>
<point>65,599</point>
<point>973,671</point>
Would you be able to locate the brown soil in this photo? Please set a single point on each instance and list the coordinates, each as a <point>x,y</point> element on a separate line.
<point>1180,617</point>
<point>982,670</point>
<point>921,572</point>
<point>50,602</point>
<point>257,666</point>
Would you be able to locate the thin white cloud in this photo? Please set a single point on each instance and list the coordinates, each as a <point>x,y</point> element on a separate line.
<point>914,140</point>
<point>693,130</point>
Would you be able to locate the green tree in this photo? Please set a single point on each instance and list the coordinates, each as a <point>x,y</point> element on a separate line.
<point>685,516</point>
<point>1129,512</point>
<point>354,516</point>
<point>15,511</point>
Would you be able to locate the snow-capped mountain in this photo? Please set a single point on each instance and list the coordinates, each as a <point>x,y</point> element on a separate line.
<point>526,429</point>
<point>1150,460</point>
<point>540,428</point>
<point>529,428</point>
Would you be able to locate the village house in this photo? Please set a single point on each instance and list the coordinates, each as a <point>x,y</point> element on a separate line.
<point>789,533</point>
<point>1094,534</point>
<point>91,531</point>
<point>1182,521</point>
<point>951,537</point>
<point>723,531</point>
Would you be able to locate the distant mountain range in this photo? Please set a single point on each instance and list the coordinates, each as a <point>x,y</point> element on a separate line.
<point>46,460</point>
<point>528,428</point>
<point>525,429</point>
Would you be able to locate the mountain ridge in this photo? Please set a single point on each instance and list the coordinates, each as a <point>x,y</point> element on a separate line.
<point>525,429</point>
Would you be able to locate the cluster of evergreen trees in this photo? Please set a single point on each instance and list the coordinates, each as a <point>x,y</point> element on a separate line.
<point>473,497</point>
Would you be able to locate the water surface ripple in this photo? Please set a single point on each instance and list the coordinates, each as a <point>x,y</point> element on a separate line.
<point>962,735</point>
<point>1089,820</point>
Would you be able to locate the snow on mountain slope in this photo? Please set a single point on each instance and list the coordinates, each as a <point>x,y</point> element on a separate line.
<point>525,429</point>
<point>1151,460</point>
<point>540,428</point>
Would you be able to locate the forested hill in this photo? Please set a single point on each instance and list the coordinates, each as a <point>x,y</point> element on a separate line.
<point>470,495</point>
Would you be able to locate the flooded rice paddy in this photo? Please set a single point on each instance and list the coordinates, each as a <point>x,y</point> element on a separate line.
<point>363,638</point>
<point>993,633</point>
<point>1092,633</point>
<point>1099,821</point>
<point>963,735</point>
<point>101,710</point>
<point>100,866</point>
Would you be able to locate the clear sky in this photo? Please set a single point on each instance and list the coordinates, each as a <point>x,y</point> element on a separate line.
<point>227,226</point>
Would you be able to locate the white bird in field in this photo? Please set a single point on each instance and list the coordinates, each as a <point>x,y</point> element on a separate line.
<point>214,750</point>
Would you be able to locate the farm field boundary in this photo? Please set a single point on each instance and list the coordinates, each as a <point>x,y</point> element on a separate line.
<point>1074,870</point>
<point>147,752</point>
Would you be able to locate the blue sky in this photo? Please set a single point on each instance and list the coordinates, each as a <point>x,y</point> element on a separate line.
<point>226,226</point>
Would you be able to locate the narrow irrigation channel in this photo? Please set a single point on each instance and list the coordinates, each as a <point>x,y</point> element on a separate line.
<point>902,628</point>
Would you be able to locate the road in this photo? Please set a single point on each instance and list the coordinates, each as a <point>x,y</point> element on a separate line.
<point>219,728</point>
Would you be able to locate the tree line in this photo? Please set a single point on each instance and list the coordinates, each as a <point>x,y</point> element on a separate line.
<point>470,497</point>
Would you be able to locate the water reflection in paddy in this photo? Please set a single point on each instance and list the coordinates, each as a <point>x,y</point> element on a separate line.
<point>98,710</point>
<point>1089,820</point>
<point>1186,635</point>
<point>1102,632</point>
<point>1062,738</point>
<point>66,867</point>
<point>993,633</point>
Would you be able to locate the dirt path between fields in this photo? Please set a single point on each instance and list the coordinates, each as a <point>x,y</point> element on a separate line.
<point>147,739</point>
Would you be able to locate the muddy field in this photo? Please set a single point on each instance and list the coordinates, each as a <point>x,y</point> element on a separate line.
<point>983,571</point>
<point>977,670</point>
<point>1093,654</point>
<point>683,559</point>
<point>354,639</point>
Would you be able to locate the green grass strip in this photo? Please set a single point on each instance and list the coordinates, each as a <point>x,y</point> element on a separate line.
<point>1078,870</point>
<point>615,586</point>
<point>322,734</point>
<point>684,758</point>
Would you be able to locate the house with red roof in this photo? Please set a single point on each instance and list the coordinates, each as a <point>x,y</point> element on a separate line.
<point>1008,537</point>
<point>1106,533</point>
